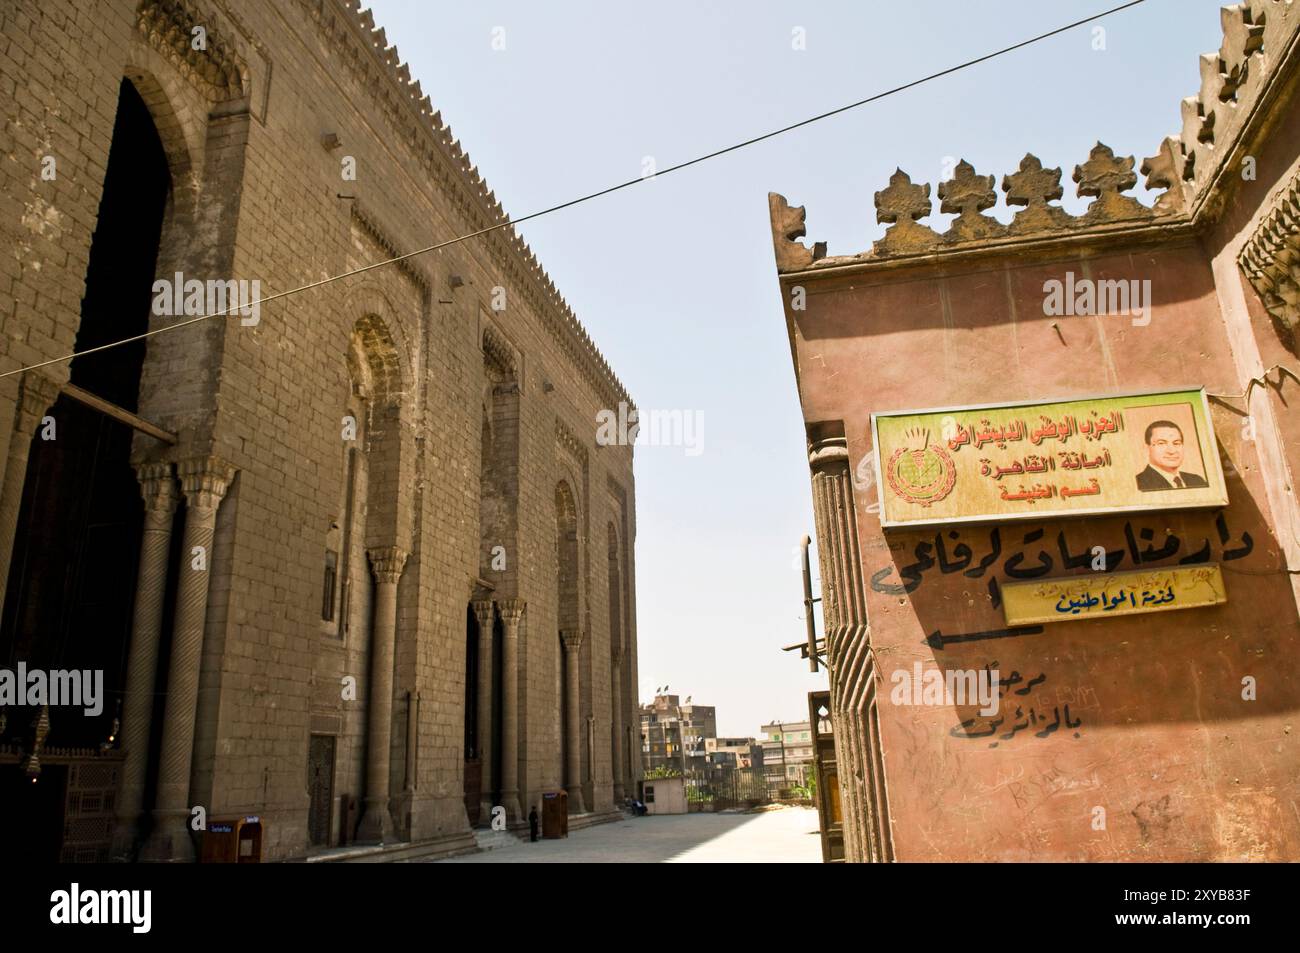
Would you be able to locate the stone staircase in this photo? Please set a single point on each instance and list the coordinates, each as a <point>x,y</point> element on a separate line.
<point>447,846</point>
<point>488,839</point>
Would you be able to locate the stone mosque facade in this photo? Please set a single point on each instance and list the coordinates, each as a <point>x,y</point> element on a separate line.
<point>351,560</point>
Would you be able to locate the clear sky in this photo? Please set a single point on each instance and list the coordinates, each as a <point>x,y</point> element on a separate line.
<point>674,278</point>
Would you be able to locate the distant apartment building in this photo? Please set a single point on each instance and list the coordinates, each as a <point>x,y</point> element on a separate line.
<point>737,752</point>
<point>788,751</point>
<point>674,735</point>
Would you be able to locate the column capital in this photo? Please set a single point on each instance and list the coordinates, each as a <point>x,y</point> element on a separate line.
<point>572,639</point>
<point>483,612</point>
<point>158,487</point>
<point>512,611</point>
<point>205,480</point>
<point>37,395</point>
<point>828,453</point>
<point>387,563</point>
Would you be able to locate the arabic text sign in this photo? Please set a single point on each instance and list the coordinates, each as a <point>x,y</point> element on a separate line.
<point>1034,461</point>
<point>1103,595</point>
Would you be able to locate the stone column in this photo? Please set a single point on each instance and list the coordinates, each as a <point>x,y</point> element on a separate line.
<point>377,823</point>
<point>512,612</point>
<point>36,394</point>
<point>160,499</point>
<point>572,712</point>
<point>616,709</point>
<point>204,481</point>
<point>850,660</point>
<point>483,613</point>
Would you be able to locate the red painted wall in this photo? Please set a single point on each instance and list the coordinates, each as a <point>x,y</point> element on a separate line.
<point>1183,767</point>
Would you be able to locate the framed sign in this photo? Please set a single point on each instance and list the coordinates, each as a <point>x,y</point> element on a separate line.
<point>1101,595</point>
<point>1035,460</point>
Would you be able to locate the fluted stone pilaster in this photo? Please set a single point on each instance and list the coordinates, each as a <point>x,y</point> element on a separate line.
<point>572,729</point>
<point>158,486</point>
<point>616,709</point>
<point>204,481</point>
<point>376,825</point>
<point>849,657</point>
<point>483,612</point>
<point>512,613</point>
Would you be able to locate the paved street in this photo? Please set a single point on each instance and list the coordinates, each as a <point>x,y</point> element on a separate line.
<point>784,836</point>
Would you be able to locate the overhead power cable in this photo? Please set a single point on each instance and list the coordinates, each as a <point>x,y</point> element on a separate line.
<point>507,222</point>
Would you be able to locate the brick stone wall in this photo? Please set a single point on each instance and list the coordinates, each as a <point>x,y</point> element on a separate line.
<point>257,194</point>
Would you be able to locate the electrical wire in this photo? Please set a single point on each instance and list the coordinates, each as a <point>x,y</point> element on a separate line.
<point>585,198</point>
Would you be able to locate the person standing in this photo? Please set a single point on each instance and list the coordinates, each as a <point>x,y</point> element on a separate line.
<point>532,825</point>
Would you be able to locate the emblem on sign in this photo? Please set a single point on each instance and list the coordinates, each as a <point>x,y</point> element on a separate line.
<point>923,475</point>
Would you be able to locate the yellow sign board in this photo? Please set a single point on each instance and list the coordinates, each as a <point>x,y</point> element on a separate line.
<point>1105,595</point>
<point>995,462</point>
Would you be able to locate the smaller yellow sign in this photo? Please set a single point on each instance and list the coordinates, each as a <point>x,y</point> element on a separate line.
<point>1103,595</point>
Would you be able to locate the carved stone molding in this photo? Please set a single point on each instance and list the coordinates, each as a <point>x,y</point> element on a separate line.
<point>1104,177</point>
<point>788,226</point>
<point>498,353</point>
<point>36,397</point>
<point>900,206</point>
<point>483,612</point>
<point>1271,262</point>
<point>368,223</point>
<point>966,195</point>
<point>1161,171</point>
<point>1034,188</point>
<point>205,481</point>
<point>158,487</point>
<point>387,563</point>
<point>566,439</point>
<point>1256,33</point>
<point>512,612</point>
<point>215,68</point>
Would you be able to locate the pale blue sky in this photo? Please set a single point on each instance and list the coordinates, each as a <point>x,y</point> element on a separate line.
<point>674,278</point>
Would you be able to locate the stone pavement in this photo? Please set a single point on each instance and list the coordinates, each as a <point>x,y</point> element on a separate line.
<point>782,836</point>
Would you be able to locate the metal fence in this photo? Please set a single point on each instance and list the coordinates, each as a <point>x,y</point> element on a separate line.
<point>721,789</point>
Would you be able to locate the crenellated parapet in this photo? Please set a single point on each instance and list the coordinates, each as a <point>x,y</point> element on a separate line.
<point>1256,35</point>
<point>968,196</point>
<point>1235,81</point>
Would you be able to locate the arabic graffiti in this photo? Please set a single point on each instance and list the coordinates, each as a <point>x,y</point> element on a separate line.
<point>1020,721</point>
<point>952,555</point>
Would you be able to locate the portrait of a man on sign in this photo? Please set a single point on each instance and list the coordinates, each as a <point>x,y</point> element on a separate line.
<point>1172,453</point>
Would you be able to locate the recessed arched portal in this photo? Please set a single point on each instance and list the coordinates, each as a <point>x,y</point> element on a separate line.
<point>72,576</point>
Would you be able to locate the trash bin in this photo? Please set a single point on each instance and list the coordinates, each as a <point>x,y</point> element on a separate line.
<point>555,814</point>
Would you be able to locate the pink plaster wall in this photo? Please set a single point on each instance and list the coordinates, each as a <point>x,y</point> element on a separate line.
<point>1184,768</point>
